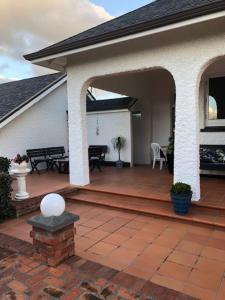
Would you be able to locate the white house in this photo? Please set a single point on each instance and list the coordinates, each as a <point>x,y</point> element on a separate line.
<point>166,54</point>
<point>33,114</point>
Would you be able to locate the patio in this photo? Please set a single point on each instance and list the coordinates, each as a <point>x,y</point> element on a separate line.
<point>182,257</point>
<point>140,181</point>
<point>143,181</point>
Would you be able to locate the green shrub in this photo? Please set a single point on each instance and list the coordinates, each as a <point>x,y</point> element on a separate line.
<point>6,209</point>
<point>4,164</point>
<point>181,188</point>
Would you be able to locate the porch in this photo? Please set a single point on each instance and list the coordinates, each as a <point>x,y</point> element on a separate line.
<point>139,189</point>
<point>139,181</point>
<point>143,181</point>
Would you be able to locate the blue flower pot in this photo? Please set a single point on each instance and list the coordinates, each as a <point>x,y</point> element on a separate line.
<point>119,164</point>
<point>181,203</point>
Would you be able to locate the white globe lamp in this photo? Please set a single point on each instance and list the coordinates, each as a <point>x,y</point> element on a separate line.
<point>52,205</point>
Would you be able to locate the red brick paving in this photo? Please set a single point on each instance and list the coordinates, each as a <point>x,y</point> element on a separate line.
<point>74,279</point>
<point>183,257</point>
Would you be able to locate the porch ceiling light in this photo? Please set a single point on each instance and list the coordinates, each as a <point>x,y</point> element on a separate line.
<point>52,205</point>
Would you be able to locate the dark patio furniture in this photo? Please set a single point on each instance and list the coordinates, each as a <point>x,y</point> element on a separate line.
<point>54,154</point>
<point>97,156</point>
<point>212,157</point>
<point>62,165</point>
<point>45,155</point>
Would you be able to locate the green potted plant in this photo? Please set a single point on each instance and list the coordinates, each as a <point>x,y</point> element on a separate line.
<point>181,195</point>
<point>118,143</point>
<point>170,155</point>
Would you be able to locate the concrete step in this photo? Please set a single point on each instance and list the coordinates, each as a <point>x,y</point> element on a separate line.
<point>161,208</point>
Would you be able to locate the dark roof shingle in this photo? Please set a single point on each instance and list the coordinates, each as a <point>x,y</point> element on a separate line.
<point>110,104</point>
<point>153,15</point>
<point>16,94</point>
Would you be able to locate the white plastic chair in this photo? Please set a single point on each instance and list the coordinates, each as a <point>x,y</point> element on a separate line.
<point>156,155</point>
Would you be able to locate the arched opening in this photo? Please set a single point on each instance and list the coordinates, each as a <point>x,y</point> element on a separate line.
<point>212,96</point>
<point>212,129</point>
<point>138,106</point>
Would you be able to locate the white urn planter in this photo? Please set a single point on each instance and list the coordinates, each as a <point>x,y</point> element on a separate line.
<point>21,167</point>
<point>20,172</point>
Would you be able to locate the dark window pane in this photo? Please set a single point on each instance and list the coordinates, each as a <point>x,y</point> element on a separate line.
<point>216,101</point>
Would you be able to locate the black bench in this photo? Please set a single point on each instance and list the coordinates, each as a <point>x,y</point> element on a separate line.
<point>212,157</point>
<point>45,155</point>
<point>96,155</point>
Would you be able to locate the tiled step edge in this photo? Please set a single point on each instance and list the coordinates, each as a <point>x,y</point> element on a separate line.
<point>170,215</point>
<point>156,198</point>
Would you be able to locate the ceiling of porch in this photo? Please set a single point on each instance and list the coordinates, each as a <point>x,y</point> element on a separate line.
<point>134,84</point>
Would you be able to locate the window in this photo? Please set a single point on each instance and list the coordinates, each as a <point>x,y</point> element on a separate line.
<point>216,102</point>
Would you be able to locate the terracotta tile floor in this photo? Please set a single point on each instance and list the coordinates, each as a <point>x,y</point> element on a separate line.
<point>183,257</point>
<point>143,181</point>
<point>139,181</point>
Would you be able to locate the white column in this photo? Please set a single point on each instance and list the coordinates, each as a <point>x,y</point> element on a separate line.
<point>78,145</point>
<point>21,187</point>
<point>186,164</point>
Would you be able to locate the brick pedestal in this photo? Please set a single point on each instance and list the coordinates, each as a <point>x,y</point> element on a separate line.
<point>53,238</point>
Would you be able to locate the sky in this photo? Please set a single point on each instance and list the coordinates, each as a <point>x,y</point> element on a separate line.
<point>119,7</point>
<point>27,26</point>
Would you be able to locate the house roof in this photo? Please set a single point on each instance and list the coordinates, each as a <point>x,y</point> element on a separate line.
<point>110,104</point>
<point>153,15</point>
<point>14,95</point>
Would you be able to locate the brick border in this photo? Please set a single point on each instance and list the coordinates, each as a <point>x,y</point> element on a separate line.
<point>26,206</point>
<point>77,278</point>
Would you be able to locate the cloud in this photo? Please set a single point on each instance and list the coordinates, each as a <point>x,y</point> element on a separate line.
<point>4,66</point>
<point>28,26</point>
<point>4,79</point>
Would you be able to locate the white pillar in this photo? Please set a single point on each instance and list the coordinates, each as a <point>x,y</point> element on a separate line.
<point>78,144</point>
<point>21,187</point>
<point>186,164</point>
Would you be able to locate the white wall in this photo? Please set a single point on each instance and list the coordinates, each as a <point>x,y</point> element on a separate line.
<point>42,125</point>
<point>111,124</point>
<point>45,125</point>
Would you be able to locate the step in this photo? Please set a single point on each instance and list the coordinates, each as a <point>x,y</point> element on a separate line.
<point>158,197</point>
<point>198,214</point>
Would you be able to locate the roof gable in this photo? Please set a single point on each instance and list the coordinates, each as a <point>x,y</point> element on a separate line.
<point>153,15</point>
<point>16,94</point>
